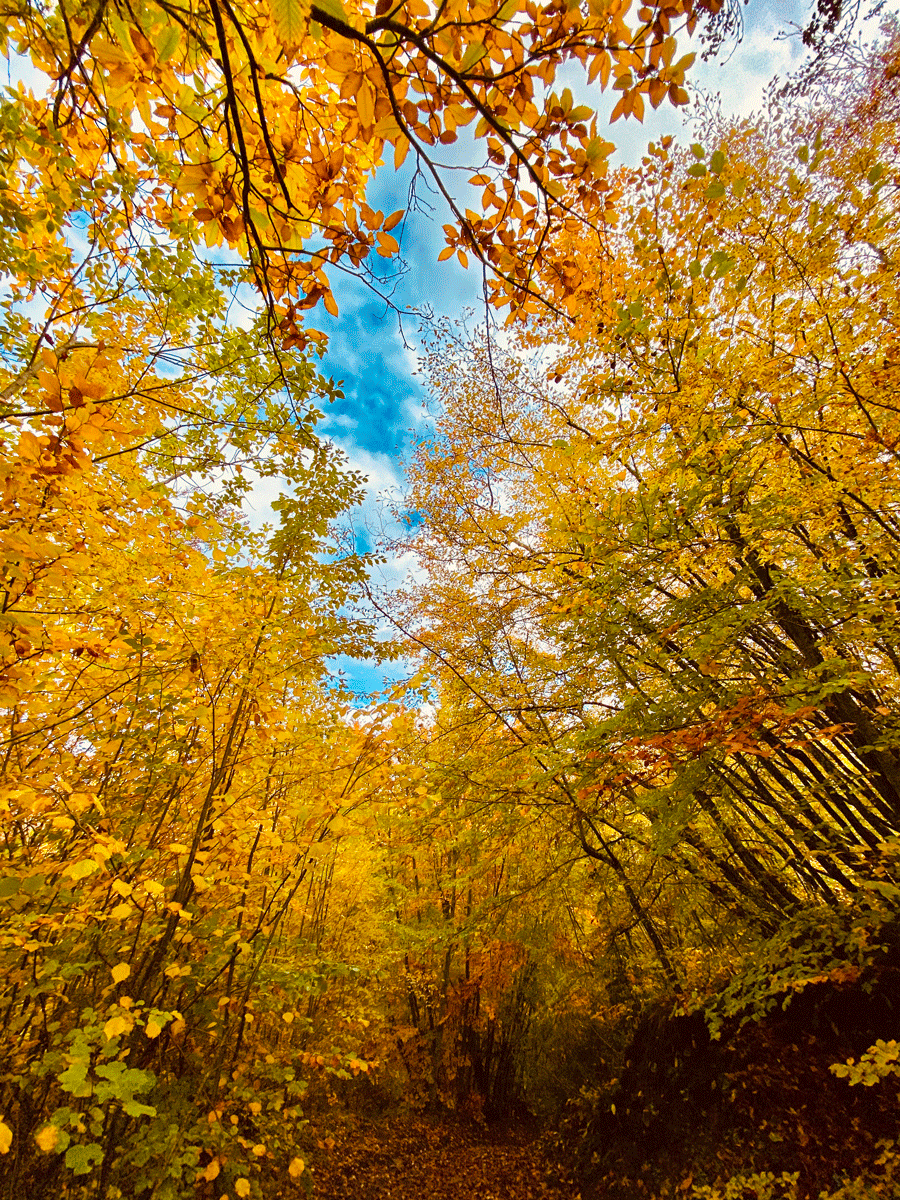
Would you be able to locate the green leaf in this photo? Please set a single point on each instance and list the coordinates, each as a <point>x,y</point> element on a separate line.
<point>474,54</point>
<point>698,151</point>
<point>122,1082</point>
<point>598,148</point>
<point>738,187</point>
<point>81,1159</point>
<point>119,28</point>
<point>288,16</point>
<point>74,1078</point>
<point>333,9</point>
<point>167,42</point>
<point>717,162</point>
<point>875,174</point>
<point>698,170</point>
<point>135,1109</point>
<point>803,154</point>
<point>9,886</point>
<point>715,190</point>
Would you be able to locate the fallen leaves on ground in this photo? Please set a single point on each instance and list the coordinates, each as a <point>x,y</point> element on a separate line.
<point>417,1158</point>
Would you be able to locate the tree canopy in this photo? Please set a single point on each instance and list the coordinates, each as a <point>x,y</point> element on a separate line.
<point>647,759</point>
<point>260,125</point>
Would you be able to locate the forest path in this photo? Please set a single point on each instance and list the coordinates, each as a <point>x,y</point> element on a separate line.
<point>416,1158</point>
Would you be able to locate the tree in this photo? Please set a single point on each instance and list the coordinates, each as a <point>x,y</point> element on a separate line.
<point>171,754</point>
<point>174,769</point>
<point>667,665</point>
<point>660,553</point>
<point>260,126</point>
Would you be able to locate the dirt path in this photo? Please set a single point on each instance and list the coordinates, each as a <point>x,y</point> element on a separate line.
<point>413,1158</point>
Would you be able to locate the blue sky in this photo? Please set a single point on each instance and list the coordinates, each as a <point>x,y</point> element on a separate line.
<point>383,409</point>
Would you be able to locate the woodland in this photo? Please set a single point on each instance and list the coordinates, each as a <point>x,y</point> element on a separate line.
<point>602,899</point>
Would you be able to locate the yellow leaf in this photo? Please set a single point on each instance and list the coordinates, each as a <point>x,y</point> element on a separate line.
<point>387,129</point>
<point>290,19</point>
<point>341,61</point>
<point>297,1167</point>
<point>152,1030</point>
<point>47,1138</point>
<point>212,1170</point>
<point>29,446</point>
<point>121,971</point>
<point>598,149</point>
<point>242,1187</point>
<point>121,911</point>
<point>401,149</point>
<point>5,1137</point>
<point>89,433</point>
<point>620,109</point>
<point>81,869</point>
<point>365,103</point>
<point>116,1026</point>
<point>387,244</point>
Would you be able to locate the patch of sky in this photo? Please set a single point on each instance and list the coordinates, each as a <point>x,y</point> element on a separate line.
<point>374,342</point>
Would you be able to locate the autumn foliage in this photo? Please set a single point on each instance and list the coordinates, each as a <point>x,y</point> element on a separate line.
<point>260,125</point>
<point>648,756</point>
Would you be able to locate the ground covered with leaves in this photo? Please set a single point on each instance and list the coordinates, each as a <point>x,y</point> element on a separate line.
<point>413,1157</point>
<point>781,1089</point>
<point>766,1099</point>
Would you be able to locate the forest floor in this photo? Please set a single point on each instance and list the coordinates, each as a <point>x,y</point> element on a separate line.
<point>413,1157</point>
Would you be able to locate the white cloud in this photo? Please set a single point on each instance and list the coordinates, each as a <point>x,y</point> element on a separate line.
<point>740,80</point>
<point>382,490</point>
<point>257,503</point>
